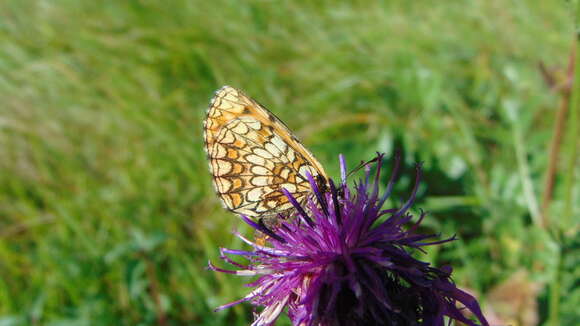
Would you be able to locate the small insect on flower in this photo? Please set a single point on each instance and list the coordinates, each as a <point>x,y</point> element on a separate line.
<point>341,259</point>
<point>253,156</point>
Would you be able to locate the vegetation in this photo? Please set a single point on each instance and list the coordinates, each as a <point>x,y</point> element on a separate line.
<point>107,212</point>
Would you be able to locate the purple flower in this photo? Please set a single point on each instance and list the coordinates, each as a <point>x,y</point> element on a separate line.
<point>341,259</point>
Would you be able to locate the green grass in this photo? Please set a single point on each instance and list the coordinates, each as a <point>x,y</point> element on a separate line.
<point>107,213</point>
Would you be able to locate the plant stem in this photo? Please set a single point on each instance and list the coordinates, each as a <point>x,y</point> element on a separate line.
<point>524,171</point>
<point>556,143</point>
<point>572,149</point>
<point>554,297</point>
<point>573,129</point>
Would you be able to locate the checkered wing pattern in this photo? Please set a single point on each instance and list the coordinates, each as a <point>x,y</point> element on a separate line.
<point>253,155</point>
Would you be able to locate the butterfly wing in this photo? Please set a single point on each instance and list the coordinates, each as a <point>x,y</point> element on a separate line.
<point>253,155</point>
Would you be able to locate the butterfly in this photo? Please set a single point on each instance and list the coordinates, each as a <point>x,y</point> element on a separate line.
<point>253,155</point>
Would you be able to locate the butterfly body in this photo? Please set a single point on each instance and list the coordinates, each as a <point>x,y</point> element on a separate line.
<point>253,155</point>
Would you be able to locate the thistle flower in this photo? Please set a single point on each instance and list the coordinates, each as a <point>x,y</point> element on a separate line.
<point>341,259</point>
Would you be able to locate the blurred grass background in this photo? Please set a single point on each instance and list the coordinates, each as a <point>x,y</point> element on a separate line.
<point>107,213</point>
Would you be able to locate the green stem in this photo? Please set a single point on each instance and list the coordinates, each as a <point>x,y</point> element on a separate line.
<point>525,176</point>
<point>572,149</point>
<point>554,305</point>
<point>573,130</point>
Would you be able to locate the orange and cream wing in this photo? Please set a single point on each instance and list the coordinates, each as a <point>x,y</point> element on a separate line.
<point>253,155</point>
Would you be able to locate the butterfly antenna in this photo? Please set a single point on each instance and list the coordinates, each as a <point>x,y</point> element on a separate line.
<point>362,164</point>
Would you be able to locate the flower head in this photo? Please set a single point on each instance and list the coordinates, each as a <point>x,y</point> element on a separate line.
<point>341,259</point>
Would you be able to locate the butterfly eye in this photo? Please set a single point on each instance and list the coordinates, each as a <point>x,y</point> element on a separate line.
<point>321,183</point>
